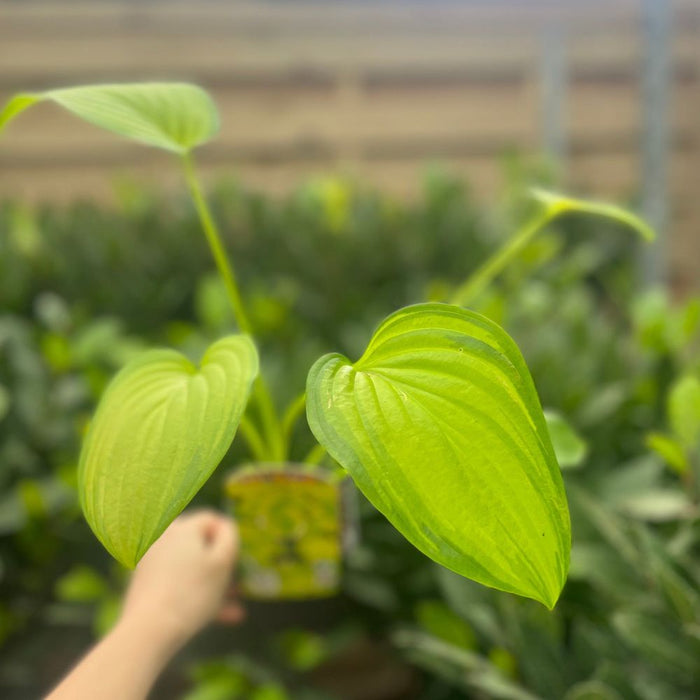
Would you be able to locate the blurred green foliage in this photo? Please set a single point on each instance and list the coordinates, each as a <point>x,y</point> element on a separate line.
<point>83,288</point>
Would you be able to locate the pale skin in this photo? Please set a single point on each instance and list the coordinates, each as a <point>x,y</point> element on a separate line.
<point>179,586</point>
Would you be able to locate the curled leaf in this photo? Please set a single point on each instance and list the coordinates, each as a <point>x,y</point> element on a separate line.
<point>553,205</point>
<point>440,426</point>
<point>173,116</point>
<point>557,204</point>
<point>161,428</point>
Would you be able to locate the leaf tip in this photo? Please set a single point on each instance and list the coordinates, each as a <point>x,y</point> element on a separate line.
<point>16,104</point>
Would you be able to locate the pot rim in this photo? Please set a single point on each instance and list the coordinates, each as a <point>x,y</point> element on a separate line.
<point>297,471</point>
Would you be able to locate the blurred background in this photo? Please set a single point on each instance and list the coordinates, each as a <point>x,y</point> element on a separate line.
<point>371,155</point>
<point>609,90</point>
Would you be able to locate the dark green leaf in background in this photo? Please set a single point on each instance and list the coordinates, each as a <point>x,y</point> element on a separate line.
<point>569,447</point>
<point>684,410</point>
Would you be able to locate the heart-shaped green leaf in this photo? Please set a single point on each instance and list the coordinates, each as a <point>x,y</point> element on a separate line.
<point>440,426</point>
<point>162,427</point>
<point>173,116</point>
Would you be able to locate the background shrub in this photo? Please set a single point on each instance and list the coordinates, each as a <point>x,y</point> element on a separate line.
<point>83,288</point>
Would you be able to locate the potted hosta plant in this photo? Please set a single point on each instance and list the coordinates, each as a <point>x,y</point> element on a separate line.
<point>438,423</point>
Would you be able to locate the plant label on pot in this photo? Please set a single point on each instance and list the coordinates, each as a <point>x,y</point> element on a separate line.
<point>291,529</point>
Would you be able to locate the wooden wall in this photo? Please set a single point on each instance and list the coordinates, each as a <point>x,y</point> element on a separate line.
<point>373,89</point>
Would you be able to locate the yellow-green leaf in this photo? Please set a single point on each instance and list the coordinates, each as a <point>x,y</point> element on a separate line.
<point>174,116</point>
<point>161,428</point>
<point>440,426</point>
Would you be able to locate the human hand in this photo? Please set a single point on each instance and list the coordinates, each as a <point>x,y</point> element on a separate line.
<point>180,583</point>
<point>177,588</point>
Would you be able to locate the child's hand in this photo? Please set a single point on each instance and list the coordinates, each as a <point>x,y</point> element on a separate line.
<point>177,588</point>
<point>181,582</point>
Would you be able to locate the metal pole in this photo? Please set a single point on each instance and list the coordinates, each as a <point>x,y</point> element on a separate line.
<point>656,80</point>
<point>553,71</point>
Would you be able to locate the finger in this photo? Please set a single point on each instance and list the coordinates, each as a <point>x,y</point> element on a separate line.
<point>223,542</point>
<point>207,522</point>
<point>210,528</point>
<point>197,515</point>
<point>231,614</point>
